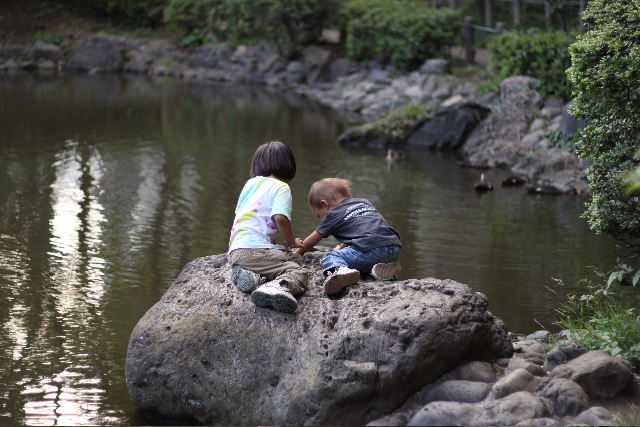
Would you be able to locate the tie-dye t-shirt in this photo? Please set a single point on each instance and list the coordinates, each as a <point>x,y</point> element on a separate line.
<point>261,199</point>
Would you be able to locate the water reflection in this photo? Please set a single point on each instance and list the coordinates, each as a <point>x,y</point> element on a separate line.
<point>110,185</point>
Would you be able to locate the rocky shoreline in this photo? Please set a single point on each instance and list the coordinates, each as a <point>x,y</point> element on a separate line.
<point>550,381</point>
<point>512,135</point>
<point>414,352</point>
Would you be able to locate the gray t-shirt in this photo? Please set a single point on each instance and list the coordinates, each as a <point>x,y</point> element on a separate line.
<point>357,223</point>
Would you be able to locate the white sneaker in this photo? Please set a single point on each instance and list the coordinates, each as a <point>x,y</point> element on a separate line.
<point>275,295</point>
<point>386,271</point>
<point>341,278</point>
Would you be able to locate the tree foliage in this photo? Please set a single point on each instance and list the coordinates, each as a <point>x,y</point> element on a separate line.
<point>288,24</point>
<point>605,73</point>
<point>402,34</point>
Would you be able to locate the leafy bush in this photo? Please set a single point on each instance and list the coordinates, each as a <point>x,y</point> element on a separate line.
<point>560,140</point>
<point>606,75</point>
<point>402,34</point>
<point>48,38</point>
<point>396,123</point>
<point>196,14</point>
<point>605,318</point>
<point>543,55</point>
<point>289,24</point>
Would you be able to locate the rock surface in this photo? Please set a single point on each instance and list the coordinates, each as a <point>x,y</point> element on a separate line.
<point>205,353</point>
<point>511,139</point>
<point>445,130</point>
<point>99,54</point>
<point>600,375</point>
<point>518,397</point>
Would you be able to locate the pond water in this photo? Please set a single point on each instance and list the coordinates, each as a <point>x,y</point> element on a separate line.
<point>109,185</point>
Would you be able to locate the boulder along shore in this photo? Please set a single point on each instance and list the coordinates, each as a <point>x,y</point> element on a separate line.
<point>507,130</point>
<point>413,352</point>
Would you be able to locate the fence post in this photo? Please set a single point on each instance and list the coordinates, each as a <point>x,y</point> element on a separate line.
<point>517,12</point>
<point>501,28</point>
<point>582,4</point>
<point>488,13</point>
<point>547,14</point>
<point>469,46</point>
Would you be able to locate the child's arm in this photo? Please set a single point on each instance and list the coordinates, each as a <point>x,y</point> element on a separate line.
<point>308,244</point>
<point>284,227</point>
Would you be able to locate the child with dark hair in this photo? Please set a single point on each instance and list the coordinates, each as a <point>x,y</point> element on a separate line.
<point>368,243</point>
<point>263,210</point>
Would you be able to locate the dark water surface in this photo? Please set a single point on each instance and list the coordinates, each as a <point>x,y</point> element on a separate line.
<point>109,185</point>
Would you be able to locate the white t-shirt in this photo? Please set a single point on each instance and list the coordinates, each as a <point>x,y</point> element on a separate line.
<point>260,199</point>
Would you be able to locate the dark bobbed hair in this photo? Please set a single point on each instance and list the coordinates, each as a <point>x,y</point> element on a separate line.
<point>273,158</point>
<point>328,189</point>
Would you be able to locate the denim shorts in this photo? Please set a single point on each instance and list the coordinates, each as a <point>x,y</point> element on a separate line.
<point>361,261</point>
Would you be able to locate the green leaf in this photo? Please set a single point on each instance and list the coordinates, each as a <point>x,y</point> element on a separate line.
<point>636,277</point>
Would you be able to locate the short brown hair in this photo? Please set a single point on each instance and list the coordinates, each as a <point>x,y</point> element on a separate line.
<point>328,189</point>
<point>273,158</point>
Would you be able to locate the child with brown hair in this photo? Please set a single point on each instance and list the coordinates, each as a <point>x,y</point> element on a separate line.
<point>263,210</point>
<point>368,243</point>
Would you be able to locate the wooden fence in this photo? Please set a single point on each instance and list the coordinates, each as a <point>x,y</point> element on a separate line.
<point>469,28</point>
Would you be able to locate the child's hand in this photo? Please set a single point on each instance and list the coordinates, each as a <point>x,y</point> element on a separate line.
<point>296,244</point>
<point>340,246</point>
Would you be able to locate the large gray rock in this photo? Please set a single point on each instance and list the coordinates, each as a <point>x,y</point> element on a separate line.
<point>511,410</point>
<point>569,124</point>
<point>496,140</point>
<point>567,397</point>
<point>518,380</point>
<point>599,375</point>
<point>138,62</point>
<point>316,62</point>
<point>529,346</point>
<point>449,128</point>
<point>514,85</point>
<point>46,52</point>
<point>519,363</point>
<point>99,53</point>
<point>19,52</point>
<point>456,391</point>
<point>445,130</point>
<point>203,56</point>
<point>476,371</point>
<point>595,416</point>
<point>205,353</point>
<point>444,414</point>
<point>435,66</point>
<point>555,358</point>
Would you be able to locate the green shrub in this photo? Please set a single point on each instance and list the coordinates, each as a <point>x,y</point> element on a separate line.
<point>543,55</point>
<point>193,15</point>
<point>566,142</point>
<point>396,123</point>
<point>48,38</point>
<point>288,24</point>
<point>606,318</point>
<point>605,74</point>
<point>402,34</point>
